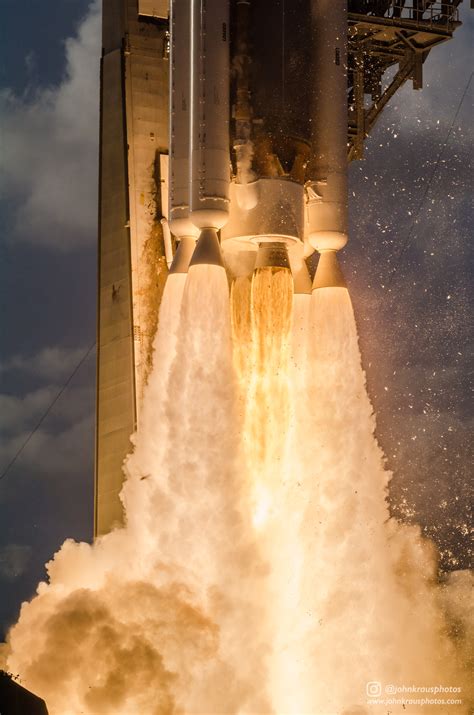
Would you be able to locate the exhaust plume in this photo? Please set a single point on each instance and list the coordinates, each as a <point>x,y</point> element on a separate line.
<point>259,570</point>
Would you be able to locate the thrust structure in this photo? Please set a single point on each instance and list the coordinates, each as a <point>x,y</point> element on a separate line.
<point>226,131</point>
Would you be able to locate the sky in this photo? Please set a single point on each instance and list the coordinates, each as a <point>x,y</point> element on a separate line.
<point>408,263</point>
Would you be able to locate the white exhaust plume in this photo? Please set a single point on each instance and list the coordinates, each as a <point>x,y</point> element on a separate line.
<point>259,570</point>
<point>166,615</point>
<point>354,596</point>
<point>266,385</point>
<point>366,598</point>
<point>147,462</point>
<point>244,151</point>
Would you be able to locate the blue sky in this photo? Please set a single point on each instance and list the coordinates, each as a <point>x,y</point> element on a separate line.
<point>410,284</point>
<point>49,118</point>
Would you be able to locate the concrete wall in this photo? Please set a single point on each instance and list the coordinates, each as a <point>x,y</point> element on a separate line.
<point>146,81</point>
<point>132,268</point>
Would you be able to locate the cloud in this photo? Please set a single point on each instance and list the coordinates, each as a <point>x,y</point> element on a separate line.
<point>22,413</point>
<point>50,148</point>
<point>60,440</point>
<point>67,427</point>
<point>31,62</point>
<point>52,454</point>
<point>17,413</point>
<point>50,363</point>
<point>14,559</point>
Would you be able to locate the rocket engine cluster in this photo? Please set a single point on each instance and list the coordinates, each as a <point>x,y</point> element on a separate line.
<point>258,181</point>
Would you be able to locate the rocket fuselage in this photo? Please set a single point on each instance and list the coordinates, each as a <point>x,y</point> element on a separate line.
<point>209,71</point>
<point>179,170</point>
<point>327,167</point>
<point>285,179</point>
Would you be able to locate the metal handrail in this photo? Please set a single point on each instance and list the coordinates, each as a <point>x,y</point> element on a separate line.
<point>427,13</point>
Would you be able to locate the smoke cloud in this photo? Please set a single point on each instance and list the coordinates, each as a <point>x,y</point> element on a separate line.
<point>259,570</point>
<point>49,163</point>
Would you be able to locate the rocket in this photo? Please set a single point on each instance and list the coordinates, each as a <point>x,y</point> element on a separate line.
<point>199,166</point>
<point>255,183</point>
<point>244,168</point>
<point>326,185</point>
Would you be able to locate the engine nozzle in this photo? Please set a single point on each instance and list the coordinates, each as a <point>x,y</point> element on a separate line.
<point>208,250</point>
<point>328,272</point>
<point>272,254</point>
<point>183,255</point>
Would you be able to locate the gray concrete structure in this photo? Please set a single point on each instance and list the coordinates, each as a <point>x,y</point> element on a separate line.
<point>132,268</point>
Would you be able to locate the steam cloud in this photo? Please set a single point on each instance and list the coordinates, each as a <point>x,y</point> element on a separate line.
<point>258,571</point>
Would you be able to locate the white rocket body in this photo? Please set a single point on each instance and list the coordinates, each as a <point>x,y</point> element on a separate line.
<point>327,199</point>
<point>199,173</point>
<point>327,184</point>
<point>210,159</point>
<point>179,167</point>
<point>272,208</point>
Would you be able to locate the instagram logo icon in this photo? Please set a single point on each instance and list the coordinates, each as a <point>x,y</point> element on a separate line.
<point>373,689</point>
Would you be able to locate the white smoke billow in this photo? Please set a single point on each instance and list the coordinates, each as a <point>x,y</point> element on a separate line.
<point>259,571</point>
<point>372,587</point>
